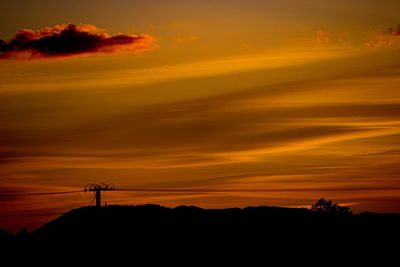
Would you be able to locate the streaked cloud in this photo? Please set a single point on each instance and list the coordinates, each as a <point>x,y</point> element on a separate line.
<point>133,77</point>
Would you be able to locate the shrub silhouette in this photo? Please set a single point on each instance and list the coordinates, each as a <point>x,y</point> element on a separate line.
<point>323,206</point>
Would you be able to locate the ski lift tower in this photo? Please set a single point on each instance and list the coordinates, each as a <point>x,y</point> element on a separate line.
<point>97,188</point>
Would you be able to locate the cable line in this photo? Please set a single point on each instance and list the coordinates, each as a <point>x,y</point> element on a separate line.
<point>40,193</point>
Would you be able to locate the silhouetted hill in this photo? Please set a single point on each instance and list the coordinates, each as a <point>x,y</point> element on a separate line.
<point>150,219</point>
<point>152,228</point>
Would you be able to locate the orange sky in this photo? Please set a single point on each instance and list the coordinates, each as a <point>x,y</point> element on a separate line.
<point>278,95</point>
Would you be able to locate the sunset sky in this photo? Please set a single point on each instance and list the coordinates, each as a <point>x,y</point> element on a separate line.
<point>299,97</point>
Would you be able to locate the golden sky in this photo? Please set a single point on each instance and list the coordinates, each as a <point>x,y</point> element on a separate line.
<point>301,97</point>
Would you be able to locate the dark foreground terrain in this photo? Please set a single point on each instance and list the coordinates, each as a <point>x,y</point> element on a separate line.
<point>260,230</point>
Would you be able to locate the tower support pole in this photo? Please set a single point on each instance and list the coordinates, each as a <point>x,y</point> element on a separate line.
<point>98,198</point>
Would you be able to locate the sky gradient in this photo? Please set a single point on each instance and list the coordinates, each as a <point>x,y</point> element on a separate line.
<point>299,97</point>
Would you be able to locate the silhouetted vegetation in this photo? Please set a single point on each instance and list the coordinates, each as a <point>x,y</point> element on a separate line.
<point>6,235</point>
<point>323,206</point>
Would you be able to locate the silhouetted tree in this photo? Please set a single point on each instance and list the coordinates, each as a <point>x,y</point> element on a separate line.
<point>5,235</point>
<point>23,235</point>
<point>323,206</point>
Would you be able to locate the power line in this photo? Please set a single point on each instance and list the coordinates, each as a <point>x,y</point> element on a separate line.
<point>206,190</point>
<point>30,215</point>
<point>40,193</point>
<point>198,190</point>
<point>221,190</point>
<point>160,190</point>
<point>259,190</point>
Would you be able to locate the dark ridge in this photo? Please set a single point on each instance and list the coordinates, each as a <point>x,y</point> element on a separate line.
<point>155,229</point>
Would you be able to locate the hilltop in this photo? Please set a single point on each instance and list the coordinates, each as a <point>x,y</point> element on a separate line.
<point>155,228</point>
<point>187,223</point>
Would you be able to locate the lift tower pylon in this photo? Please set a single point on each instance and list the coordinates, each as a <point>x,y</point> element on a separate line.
<point>97,188</point>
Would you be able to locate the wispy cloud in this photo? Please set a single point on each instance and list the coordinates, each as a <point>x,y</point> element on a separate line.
<point>277,59</point>
<point>319,38</point>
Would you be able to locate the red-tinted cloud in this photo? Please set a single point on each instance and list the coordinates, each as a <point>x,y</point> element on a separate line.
<point>320,38</point>
<point>70,40</point>
<point>389,38</point>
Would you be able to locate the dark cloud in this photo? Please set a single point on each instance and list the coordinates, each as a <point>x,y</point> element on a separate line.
<point>69,40</point>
